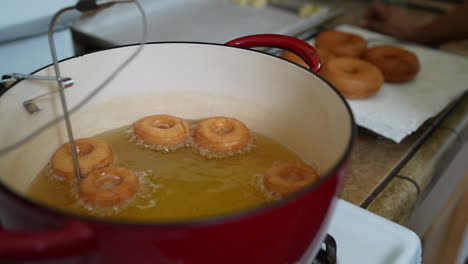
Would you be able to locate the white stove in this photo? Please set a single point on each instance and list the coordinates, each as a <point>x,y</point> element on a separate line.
<point>363,237</point>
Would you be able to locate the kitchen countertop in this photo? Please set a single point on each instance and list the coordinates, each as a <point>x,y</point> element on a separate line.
<point>387,178</point>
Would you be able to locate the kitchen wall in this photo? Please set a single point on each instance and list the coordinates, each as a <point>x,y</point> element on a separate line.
<point>23,34</point>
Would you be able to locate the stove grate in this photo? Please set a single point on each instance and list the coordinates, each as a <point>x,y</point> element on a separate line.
<point>327,255</point>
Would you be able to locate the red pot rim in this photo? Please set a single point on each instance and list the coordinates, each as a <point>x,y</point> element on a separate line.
<point>211,220</point>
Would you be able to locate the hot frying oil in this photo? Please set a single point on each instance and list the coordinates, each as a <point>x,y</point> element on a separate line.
<point>177,185</point>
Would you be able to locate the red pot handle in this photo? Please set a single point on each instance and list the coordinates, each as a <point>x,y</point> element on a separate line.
<point>299,47</point>
<point>73,238</point>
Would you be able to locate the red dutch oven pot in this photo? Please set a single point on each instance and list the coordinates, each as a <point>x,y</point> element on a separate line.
<point>193,80</point>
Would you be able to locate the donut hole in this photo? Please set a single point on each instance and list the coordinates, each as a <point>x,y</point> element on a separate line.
<point>163,124</point>
<point>293,176</point>
<point>82,149</point>
<point>223,127</point>
<point>107,181</point>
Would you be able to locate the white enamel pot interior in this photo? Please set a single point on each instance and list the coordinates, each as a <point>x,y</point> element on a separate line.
<point>191,80</point>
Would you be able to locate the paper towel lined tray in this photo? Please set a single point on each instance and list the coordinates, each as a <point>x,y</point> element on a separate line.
<point>398,110</point>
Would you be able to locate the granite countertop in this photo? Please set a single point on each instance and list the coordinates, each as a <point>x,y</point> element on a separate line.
<point>387,178</point>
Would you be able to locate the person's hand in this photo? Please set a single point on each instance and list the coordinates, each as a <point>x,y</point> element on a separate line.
<point>390,21</point>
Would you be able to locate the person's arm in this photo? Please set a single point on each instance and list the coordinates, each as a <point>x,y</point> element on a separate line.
<point>451,26</point>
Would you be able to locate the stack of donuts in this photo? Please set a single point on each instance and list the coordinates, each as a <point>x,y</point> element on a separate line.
<point>104,185</point>
<point>356,70</point>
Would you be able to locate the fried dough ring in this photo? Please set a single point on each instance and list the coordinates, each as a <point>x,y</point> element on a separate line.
<point>325,55</point>
<point>221,134</point>
<point>162,130</point>
<point>354,78</point>
<point>341,43</point>
<point>93,153</point>
<point>396,64</point>
<point>288,177</point>
<point>109,187</point>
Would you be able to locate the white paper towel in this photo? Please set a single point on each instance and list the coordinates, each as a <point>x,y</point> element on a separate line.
<point>397,110</point>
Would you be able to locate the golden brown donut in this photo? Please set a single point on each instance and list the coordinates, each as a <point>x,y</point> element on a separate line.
<point>221,134</point>
<point>294,58</point>
<point>341,43</point>
<point>325,55</point>
<point>108,187</point>
<point>288,177</point>
<point>354,78</point>
<point>162,130</point>
<point>93,153</point>
<point>396,64</point>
